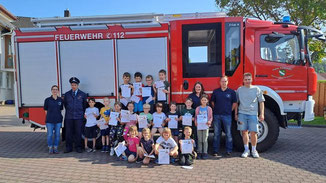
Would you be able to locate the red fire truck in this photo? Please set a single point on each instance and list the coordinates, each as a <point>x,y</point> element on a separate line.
<point>191,47</point>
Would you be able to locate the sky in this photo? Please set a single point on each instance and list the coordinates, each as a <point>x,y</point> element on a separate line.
<point>52,8</point>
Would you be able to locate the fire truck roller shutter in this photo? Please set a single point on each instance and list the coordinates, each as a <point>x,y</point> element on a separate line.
<point>37,72</point>
<point>92,62</point>
<point>144,55</point>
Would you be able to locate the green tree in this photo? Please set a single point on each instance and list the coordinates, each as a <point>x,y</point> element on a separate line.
<point>302,12</point>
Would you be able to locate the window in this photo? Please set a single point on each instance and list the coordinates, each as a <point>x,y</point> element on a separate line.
<point>283,49</point>
<point>8,53</point>
<point>201,47</point>
<point>232,47</point>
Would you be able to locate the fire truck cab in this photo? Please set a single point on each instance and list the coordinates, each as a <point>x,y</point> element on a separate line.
<point>191,47</point>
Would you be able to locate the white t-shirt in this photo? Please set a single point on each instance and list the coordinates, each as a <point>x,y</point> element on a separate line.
<point>90,118</point>
<point>166,144</point>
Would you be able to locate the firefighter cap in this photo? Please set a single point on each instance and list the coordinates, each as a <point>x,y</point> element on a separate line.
<point>74,80</point>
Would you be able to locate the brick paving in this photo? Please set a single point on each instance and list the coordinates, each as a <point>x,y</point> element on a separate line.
<point>298,156</point>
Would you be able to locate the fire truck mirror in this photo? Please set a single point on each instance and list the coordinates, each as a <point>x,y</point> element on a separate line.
<point>274,37</point>
<point>185,84</point>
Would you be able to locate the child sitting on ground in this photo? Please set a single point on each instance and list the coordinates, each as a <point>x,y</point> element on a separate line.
<point>132,143</point>
<point>166,142</point>
<point>187,158</point>
<point>147,146</point>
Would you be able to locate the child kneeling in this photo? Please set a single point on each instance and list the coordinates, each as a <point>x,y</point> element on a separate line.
<point>166,142</point>
<point>133,149</point>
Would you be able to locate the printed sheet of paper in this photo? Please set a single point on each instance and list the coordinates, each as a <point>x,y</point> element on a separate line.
<point>113,118</point>
<point>124,101</point>
<point>142,121</point>
<point>125,116</point>
<point>201,122</point>
<point>135,98</point>
<point>163,156</point>
<point>157,120</point>
<point>186,146</point>
<point>173,123</point>
<point>149,156</point>
<point>120,148</point>
<point>150,98</point>
<point>101,122</point>
<point>187,120</point>
<point>146,91</point>
<point>159,84</point>
<point>133,117</point>
<point>137,87</point>
<point>125,91</point>
<point>161,96</point>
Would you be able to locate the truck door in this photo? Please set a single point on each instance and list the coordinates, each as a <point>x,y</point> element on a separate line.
<point>278,64</point>
<point>204,50</point>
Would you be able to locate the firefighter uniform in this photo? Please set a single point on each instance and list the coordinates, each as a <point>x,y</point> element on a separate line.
<point>75,104</point>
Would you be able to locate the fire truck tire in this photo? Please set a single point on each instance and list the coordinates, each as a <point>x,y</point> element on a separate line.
<point>268,135</point>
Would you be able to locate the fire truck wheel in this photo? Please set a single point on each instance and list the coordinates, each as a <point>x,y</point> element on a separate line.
<point>268,132</point>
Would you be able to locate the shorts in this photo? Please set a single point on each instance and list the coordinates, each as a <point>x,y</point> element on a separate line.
<point>105,132</point>
<point>138,106</point>
<point>128,152</point>
<point>175,132</point>
<point>90,132</point>
<point>249,122</point>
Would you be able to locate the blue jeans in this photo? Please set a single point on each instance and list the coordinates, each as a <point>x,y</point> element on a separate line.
<point>53,128</point>
<point>227,121</point>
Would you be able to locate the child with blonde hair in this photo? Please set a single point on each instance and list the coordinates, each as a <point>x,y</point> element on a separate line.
<point>132,143</point>
<point>165,141</point>
<point>103,124</point>
<point>187,158</point>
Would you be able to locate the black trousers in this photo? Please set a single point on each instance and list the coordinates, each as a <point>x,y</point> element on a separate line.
<point>73,129</point>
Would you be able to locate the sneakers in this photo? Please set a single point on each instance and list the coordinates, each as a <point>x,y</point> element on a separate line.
<point>87,149</point>
<point>94,150</point>
<point>50,150</point>
<point>124,158</point>
<point>254,154</point>
<point>112,151</point>
<point>204,156</point>
<point>55,150</point>
<point>172,160</point>
<point>217,155</point>
<point>245,154</point>
<point>107,149</point>
<point>103,148</point>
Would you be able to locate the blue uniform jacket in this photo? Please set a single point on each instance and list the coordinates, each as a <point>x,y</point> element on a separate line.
<point>75,105</point>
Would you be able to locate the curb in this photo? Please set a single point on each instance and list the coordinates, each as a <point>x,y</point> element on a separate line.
<point>310,126</point>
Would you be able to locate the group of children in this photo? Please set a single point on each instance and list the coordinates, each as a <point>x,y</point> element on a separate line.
<point>136,123</point>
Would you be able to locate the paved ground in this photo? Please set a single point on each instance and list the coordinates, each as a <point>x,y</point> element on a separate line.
<point>298,156</point>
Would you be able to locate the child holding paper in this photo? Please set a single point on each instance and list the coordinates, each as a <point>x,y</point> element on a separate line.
<point>150,99</point>
<point>203,119</point>
<point>158,119</point>
<point>187,156</point>
<point>91,114</point>
<point>137,91</point>
<point>125,90</point>
<point>173,120</point>
<point>165,141</point>
<point>105,115</point>
<point>133,149</point>
<point>144,116</point>
<point>132,119</point>
<point>147,146</point>
<point>162,89</point>
<point>116,131</point>
<point>187,118</point>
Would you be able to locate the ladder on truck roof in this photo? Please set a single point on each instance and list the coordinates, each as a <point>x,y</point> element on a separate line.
<point>150,18</point>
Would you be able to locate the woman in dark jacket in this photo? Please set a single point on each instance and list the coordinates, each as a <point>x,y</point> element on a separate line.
<point>53,106</point>
<point>197,92</point>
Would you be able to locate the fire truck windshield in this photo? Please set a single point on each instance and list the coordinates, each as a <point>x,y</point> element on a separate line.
<point>283,48</point>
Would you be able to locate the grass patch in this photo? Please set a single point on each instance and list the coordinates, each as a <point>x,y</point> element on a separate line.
<point>317,121</point>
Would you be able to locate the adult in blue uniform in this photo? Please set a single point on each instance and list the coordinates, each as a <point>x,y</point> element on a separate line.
<point>75,102</point>
<point>53,106</point>
<point>224,101</point>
